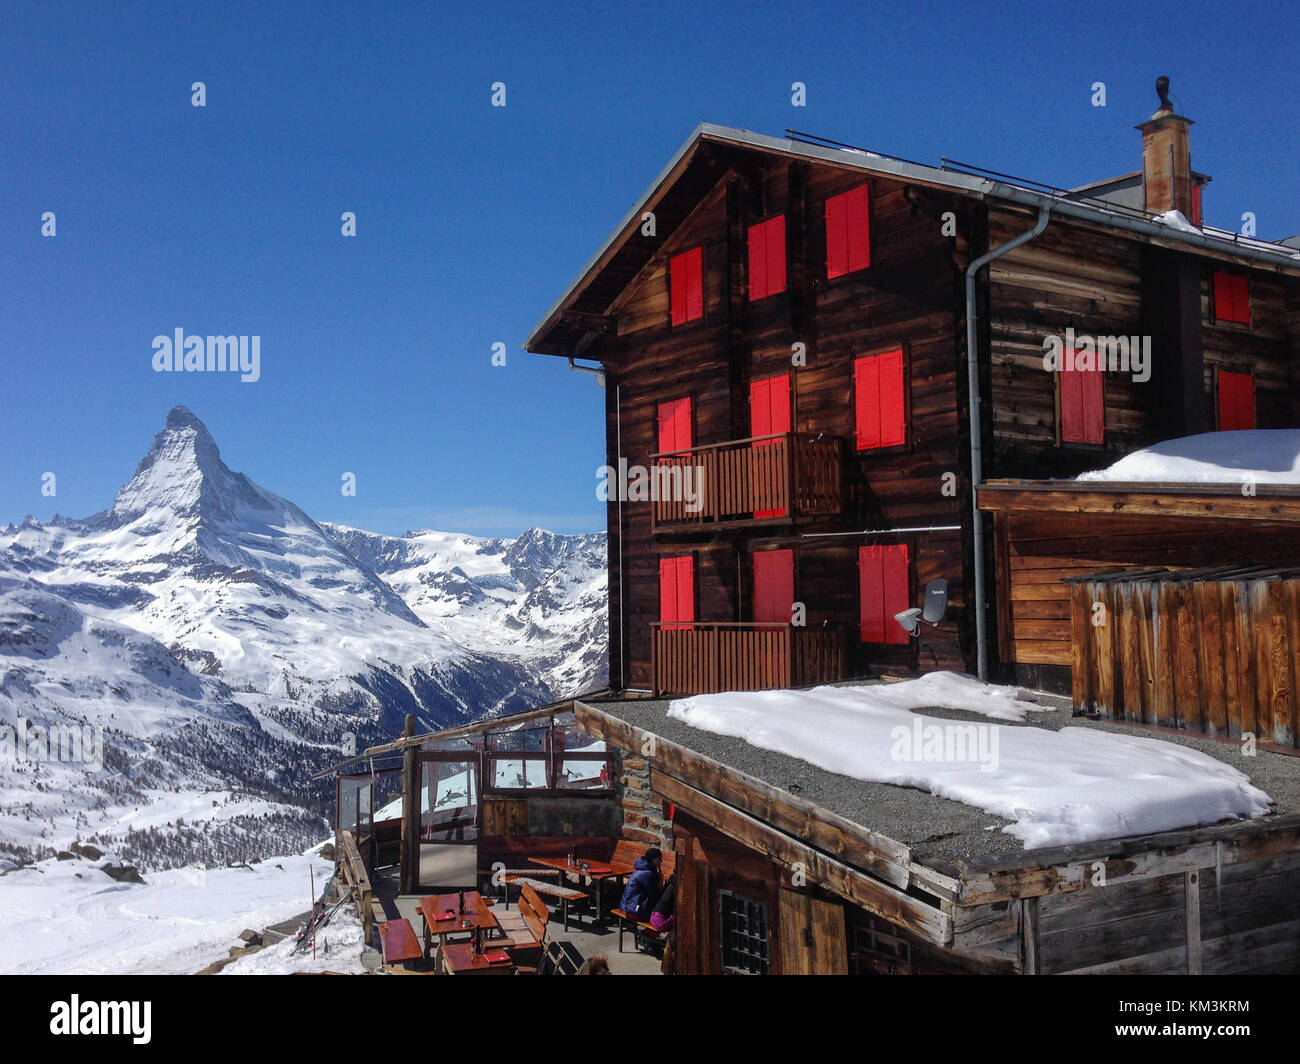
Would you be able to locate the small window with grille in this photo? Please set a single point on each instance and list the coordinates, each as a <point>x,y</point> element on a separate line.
<point>745,935</point>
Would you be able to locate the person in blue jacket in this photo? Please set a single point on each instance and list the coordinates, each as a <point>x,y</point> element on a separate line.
<point>643,889</point>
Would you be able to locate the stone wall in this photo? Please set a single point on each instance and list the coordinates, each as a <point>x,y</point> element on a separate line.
<point>643,813</point>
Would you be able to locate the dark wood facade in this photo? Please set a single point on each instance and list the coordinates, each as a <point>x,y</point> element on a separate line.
<point>1090,277</point>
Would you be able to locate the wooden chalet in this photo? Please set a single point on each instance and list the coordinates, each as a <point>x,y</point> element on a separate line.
<point>812,331</point>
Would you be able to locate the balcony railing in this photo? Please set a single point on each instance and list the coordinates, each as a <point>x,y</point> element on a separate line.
<point>703,657</point>
<point>764,479</point>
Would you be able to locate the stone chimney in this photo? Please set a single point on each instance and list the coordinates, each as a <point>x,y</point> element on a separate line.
<point>1167,159</point>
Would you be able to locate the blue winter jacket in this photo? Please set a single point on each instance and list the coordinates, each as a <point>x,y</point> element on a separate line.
<point>642,890</point>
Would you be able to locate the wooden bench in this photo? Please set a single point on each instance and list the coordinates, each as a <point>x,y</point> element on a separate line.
<point>399,941</point>
<point>550,890</point>
<point>624,920</point>
<point>528,941</point>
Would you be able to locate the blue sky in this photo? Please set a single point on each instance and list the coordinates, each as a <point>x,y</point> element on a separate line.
<point>375,350</point>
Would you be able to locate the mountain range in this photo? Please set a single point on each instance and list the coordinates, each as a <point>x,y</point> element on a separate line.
<point>225,641</point>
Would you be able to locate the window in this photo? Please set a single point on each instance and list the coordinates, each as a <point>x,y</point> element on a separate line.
<point>848,232</point>
<point>1083,404</point>
<point>686,286</point>
<point>746,946</point>
<point>1236,401</point>
<point>1231,298</point>
<point>677,592</point>
<point>767,258</point>
<point>675,426</point>
<point>884,590</point>
<point>769,414</point>
<point>547,755</point>
<point>773,586</point>
<point>879,401</point>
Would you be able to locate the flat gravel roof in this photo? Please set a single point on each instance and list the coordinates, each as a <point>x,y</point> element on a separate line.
<point>938,830</point>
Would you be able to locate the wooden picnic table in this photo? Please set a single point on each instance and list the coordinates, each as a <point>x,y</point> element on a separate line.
<point>460,959</point>
<point>597,871</point>
<point>477,915</point>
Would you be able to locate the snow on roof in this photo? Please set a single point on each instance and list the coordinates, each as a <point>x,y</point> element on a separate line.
<point>1254,456</point>
<point>1056,787</point>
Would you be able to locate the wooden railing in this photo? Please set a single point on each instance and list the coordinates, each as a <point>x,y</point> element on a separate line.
<point>757,479</point>
<point>704,657</point>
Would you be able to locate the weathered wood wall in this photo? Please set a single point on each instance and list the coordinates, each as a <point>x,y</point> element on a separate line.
<point>906,298</point>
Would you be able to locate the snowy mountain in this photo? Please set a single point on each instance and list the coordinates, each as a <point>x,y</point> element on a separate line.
<point>221,639</point>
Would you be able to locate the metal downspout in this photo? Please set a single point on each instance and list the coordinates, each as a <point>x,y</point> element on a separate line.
<point>976,430</point>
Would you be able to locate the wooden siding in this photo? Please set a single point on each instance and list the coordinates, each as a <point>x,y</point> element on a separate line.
<point>907,298</point>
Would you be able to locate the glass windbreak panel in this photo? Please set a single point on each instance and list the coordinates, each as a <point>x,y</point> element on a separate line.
<point>518,774</point>
<point>388,797</point>
<point>365,806</point>
<point>524,740</point>
<point>572,739</point>
<point>583,775</point>
<point>448,799</point>
<point>462,742</point>
<point>350,787</point>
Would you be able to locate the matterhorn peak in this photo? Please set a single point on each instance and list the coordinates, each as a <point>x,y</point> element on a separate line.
<point>183,474</point>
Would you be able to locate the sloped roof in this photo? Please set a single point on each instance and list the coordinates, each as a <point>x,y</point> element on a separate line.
<point>701,162</point>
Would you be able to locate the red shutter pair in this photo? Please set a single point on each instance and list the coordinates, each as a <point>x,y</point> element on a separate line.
<point>884,591</point>
<point>675,426</point>
<point>769,414</point>
<point>1083,405</point>
<point>677,592</point>
<point>848,232</point>
<point>1236,401</point>
<point>767,258</point>
<point>686,286</point>
<point>1231,298</point>
<point>878,396</point>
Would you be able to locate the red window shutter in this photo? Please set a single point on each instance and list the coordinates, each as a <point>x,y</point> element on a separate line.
<point>880,401</point>
<point>686,286</point>
<point>773,586</point>
<point>675,426</point>
<point>859,228</point>
<point>1231,298</point>
<point>1236,401</point>
<point>848,231</point>
<point>1197,191</point>
<point>767,258</point>
<point>677,590</point>
<point>837,237</point>
<point>884,591</point>
<point>1083,405</point>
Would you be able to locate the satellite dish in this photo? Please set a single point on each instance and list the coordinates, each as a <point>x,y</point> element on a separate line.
<point>936,602</point>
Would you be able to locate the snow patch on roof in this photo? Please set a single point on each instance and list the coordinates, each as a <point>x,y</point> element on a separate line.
<point>1056,787</point>
<point>1258,456</point>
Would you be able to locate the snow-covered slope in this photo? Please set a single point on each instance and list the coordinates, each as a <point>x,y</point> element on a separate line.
<point>222,638</point>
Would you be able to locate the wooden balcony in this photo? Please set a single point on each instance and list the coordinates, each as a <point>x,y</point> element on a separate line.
<point>763,480</point>
<point>703,657</point>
